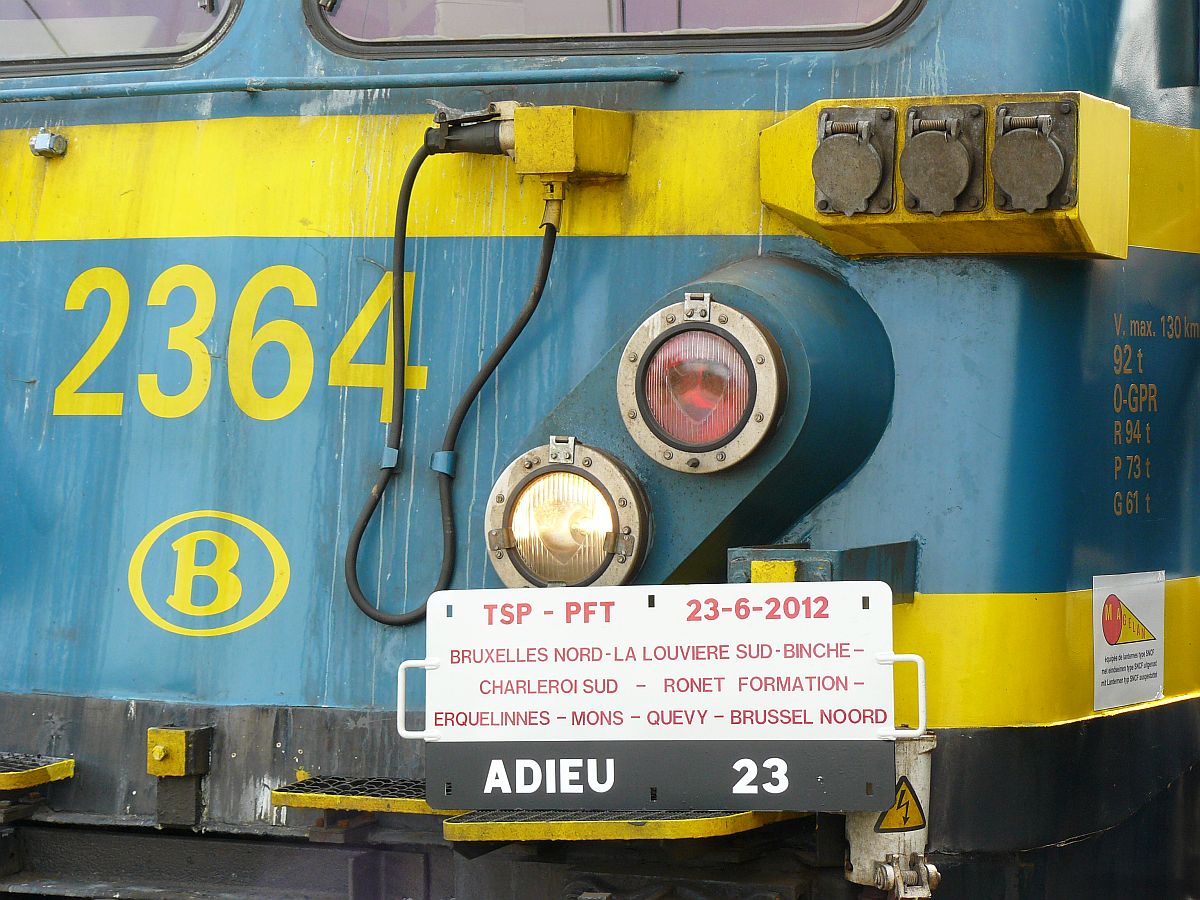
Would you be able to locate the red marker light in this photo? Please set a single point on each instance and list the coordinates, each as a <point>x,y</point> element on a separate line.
<point>697,388</point>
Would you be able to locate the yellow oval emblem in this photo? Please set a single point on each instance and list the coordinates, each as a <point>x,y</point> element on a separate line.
<point>227,588</point>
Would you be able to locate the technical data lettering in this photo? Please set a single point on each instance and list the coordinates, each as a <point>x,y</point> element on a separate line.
<point>1145,351</point>
<point>705,662</point>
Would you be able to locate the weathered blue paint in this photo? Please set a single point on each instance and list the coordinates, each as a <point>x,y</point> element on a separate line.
<point>998,453</point>
<point>839,392</point>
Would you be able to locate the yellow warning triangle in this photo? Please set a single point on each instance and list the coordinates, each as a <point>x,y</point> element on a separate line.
<point>905,814</point>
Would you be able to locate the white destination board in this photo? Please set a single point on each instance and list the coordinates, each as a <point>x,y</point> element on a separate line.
<point>716,662</point>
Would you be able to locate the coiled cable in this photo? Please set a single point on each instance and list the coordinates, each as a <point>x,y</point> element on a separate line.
<point>395,432</point>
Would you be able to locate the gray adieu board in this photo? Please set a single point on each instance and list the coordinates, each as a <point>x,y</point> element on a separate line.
<point>720,696</point>
<point>814,775</point>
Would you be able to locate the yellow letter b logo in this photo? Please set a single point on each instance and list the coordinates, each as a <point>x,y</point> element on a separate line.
<point>265,568</point>
<point>219,571</point>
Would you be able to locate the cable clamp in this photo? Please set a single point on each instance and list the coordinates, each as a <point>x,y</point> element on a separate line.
<point>444,462</point>
<point>391,458</point>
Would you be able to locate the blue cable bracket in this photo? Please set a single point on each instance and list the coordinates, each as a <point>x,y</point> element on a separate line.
<point>444,462</point>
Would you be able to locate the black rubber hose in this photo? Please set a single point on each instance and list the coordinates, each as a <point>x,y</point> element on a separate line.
<point>395,431</point>
<point>449,533</point>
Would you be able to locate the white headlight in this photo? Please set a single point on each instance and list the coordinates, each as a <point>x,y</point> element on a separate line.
<point>566,514</point>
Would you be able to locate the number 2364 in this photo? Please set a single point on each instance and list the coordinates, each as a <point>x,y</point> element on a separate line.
<point>246,338</point>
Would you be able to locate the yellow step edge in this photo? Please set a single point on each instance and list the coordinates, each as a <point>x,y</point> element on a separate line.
<point>58,770</point>
<point>714,825</point>
<point>359,804</point>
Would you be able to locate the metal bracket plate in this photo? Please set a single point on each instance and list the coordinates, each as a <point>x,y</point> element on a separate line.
<point>926,174</point>
<point>1014,156</point>
<point>844,164</point>
<point>562,449</point>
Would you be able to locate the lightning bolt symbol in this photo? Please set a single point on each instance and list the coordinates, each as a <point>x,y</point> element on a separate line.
<point>902,804</point>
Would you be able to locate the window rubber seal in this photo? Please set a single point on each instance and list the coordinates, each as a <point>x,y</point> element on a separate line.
<point>872,35</point>
<point>123,62</point>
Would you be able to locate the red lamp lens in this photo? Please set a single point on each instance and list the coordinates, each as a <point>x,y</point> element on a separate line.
<point>697,388</point>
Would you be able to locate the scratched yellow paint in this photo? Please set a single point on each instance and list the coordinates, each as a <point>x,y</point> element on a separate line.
<point>692,172</point>
<point>1026,659</point>
<point>339,175</point>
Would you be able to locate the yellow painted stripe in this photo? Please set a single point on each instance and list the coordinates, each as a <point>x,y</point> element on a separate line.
<point>1164,172</point>
<point>692,172</point>
<point>338,176</point>
<point>358,804</point>
<point>997,660</point>
<point>55,771</point>
<point>622,830</point>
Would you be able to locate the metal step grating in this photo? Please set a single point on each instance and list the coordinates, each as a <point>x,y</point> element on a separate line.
<point>604,825</point>
<point>403,795</point>
<point>25,770</point>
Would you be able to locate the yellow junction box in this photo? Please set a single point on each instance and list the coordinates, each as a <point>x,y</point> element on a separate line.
<point>1098,224</point>
<point>572,142</point>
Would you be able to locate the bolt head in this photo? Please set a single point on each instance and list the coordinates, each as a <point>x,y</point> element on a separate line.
<point>704,314</point>
<point>587,462</point>
<point>723,319</point>
<point>690,313</point>
<point>621,558</point>
<point>670,318</point>
<point>693,463</point>
<point>632,357</point>
<point>622,502</point>
<point>758,417</point>
<point>667,454</point>
<point>760,359</point>
<point>721,456</point>
<point>554,455</point>
<point>499,554</point>
<point>626,530</point>
<point>822,205</point>
<point>499,498</point>
<point>528,464</point>
<point>632,414</point>
<point>159,752</point>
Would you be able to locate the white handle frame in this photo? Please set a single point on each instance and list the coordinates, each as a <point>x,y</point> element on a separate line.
<point>890,659</point>
<point>428,664</point>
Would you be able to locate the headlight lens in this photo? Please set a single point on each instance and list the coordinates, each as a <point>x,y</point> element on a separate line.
<point>566,514</point>
<point>700,385</point>
<point>561,521</point>
<point>697,388</point>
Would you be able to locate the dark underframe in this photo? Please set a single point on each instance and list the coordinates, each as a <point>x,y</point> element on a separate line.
<point>778,41</point>
<point>123,62</point>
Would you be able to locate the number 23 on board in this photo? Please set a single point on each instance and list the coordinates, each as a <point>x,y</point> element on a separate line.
<point>246,340</point>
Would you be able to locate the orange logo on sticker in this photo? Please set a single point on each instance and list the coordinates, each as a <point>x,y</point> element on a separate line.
<point>1120,625</point>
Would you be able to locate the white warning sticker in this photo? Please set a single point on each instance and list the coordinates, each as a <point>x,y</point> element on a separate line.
<point>1127,638</point>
